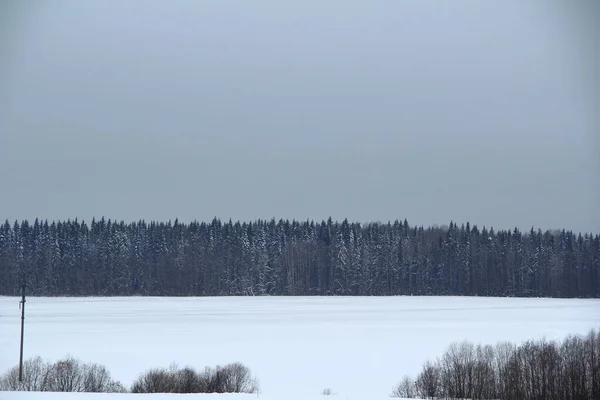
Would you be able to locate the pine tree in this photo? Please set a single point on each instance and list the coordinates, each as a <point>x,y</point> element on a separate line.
<point>293,258</point>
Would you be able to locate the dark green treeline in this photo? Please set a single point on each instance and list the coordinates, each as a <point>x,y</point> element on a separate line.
<point>107,258</point>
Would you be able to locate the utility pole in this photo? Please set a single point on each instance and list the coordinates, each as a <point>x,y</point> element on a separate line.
<point>22,307</point>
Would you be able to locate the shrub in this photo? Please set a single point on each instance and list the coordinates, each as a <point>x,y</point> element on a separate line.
<point>96,379</point>
<point>35,372</point>
<point>188,381</point>
<point>67,375</point>
<point>71,375</point>
<point>237,378</point>
<point>231,378</point>
<point>156,381</point>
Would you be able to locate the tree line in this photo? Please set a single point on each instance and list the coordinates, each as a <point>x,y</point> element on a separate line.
<point>269,257</point>
<point>549,370</point>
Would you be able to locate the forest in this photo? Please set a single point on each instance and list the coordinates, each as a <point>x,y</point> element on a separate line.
<point>282,257</point>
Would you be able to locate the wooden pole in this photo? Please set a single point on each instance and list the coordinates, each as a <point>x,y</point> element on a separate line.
<point>22,307</point>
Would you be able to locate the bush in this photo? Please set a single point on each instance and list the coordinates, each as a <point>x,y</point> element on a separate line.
<point>67,375</point>
<point>35,372</point>
<point>71,375</point>
<point>96,379</point>
<point>231,378</point>
<point>237,378</point>
<point>188,381</point>
<point>155,381</point>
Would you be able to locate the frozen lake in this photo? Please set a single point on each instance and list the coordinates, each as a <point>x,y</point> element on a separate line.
<point>357,346</point>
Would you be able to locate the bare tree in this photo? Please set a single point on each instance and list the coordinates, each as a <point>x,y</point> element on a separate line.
<point>549,369</point>
<point>66,376</point>
<point>574,368</point>
<point>484,377</point>
<point>428,382</point>
<point>97,379</point>
<point>592,358</point>
<point>406,388</point>
<point>35,372</point>
<point>237,378</point>
<point>207,381</point>
<point>155,381</point>
<point>457,370</point>
<point>188,381</point>
<point>514,387</point>
<point>10,380</point>
<point>503,353</point>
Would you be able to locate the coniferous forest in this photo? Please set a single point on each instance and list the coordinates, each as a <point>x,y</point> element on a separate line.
<point>108,258</point>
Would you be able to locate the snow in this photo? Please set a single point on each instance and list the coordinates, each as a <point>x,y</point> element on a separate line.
<point>297,346</point>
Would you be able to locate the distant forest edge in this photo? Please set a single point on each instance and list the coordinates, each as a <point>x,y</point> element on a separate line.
<point>108,258</point>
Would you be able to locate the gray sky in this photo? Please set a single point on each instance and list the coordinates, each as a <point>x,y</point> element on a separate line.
<point>481,111</point>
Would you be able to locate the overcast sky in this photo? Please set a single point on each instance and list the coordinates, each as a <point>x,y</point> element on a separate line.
<point>480,111</point>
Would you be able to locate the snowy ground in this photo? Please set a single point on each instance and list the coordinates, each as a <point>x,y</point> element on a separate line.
<point>297,346</point>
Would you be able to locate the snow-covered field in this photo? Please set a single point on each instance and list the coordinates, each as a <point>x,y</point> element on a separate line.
<point>297,346</point>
